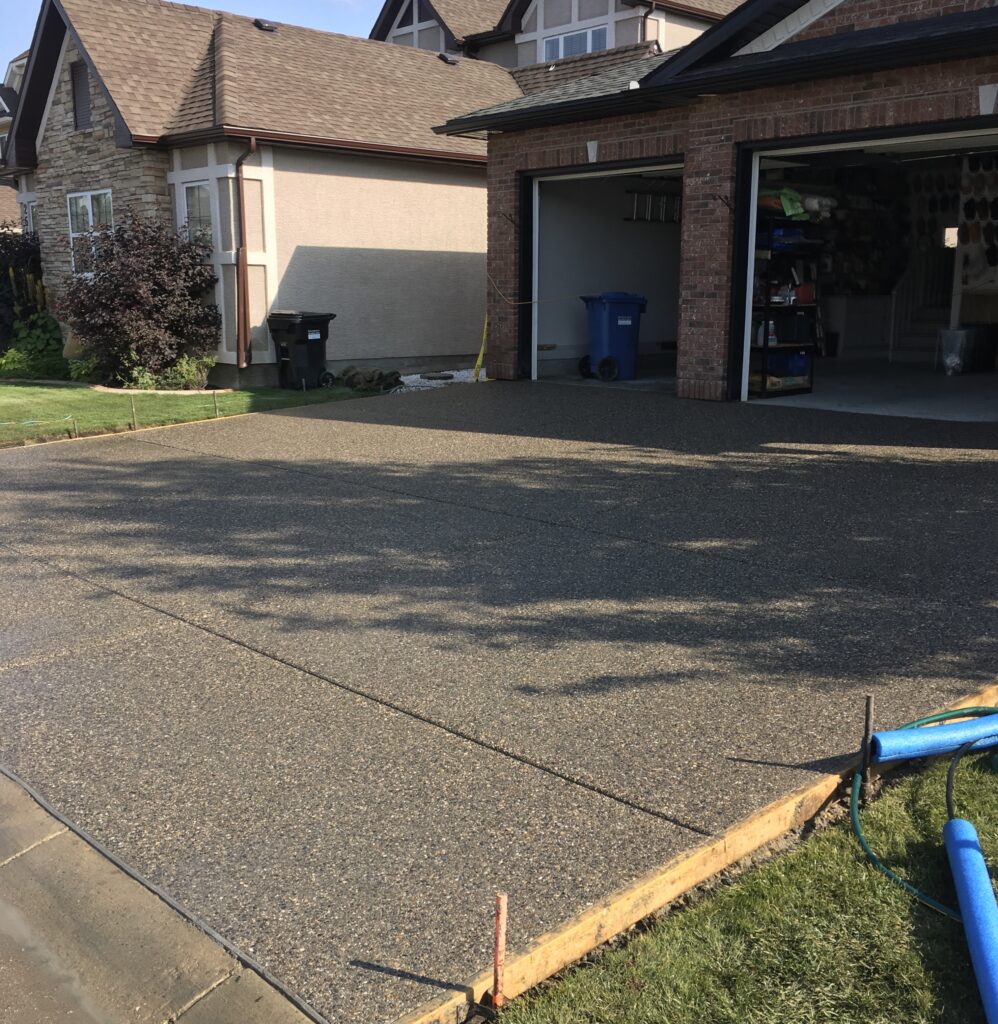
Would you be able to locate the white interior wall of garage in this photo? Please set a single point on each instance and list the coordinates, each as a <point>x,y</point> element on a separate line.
<point>586,246</point>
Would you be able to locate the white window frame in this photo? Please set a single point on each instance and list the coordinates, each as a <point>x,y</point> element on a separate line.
<point>562,36</point>
<point>577,24</point>
<point>414,29</point>
<point>73,235</point>
<point>28,208</point>
<point>182,212</point>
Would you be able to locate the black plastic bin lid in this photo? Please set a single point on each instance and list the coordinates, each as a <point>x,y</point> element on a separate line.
<point>290,316</point>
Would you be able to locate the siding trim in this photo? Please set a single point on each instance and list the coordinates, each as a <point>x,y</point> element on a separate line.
<point>791,25</point>
<point>53,86</point>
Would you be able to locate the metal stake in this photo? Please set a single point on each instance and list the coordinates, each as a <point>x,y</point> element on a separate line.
<point>499,958</point>
<point>135,419</point>
<point>867,740</point>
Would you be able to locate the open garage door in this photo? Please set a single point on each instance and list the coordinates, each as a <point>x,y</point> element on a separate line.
<point>873,277</point>
<point>603,232</point>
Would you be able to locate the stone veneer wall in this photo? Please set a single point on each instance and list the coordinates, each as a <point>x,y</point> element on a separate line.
<point>86,161</point>
<point>706,135</point>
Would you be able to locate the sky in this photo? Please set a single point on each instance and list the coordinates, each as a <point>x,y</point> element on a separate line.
<point>354,17</point>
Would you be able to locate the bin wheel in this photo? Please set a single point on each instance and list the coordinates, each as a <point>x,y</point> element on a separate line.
<point>585,367</point>
<point>327,379</point>
<point>608,369</point>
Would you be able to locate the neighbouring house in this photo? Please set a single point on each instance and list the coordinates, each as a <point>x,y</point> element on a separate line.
<point>807,195</point>
<point>519,33</point>
<point>308,158</point>
<point>10,210</point>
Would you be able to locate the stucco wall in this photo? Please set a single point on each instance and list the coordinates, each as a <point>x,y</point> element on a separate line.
<point>395,248</point>
<point>85,161</point>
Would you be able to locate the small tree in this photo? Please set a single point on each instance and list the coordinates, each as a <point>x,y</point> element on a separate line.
<point>142,307</point>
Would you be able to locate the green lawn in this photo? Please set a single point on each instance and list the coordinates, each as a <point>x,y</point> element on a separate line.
<point>814,935</point>
<point>45,412</point>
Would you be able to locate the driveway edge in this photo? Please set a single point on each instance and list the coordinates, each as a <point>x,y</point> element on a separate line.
<point>584,933</point>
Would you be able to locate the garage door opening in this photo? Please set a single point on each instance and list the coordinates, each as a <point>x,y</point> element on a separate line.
<point>874,279</point>
<point>598,233</point>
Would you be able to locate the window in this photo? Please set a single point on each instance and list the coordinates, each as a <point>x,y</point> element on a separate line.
<point>88,212</point>
<point>82,110</point>
<point>28,217</point>
<point>197,210</point>
<point>417,27</point>
<point>574,43</point>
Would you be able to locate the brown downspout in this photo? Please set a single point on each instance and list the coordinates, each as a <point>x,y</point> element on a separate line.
<point>244,347</point>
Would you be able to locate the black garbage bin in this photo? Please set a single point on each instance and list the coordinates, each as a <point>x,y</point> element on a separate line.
<point>301,339</point>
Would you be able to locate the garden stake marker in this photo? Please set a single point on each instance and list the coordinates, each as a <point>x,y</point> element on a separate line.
<point>867,739</point>
<point>499,957</point>
<point>214,396</point>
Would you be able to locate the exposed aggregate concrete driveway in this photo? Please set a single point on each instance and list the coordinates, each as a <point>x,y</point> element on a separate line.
<point>333,676</point>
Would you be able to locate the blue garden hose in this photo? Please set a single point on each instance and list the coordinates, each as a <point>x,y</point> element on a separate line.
<point>975,894</point>
<point>857,781</point>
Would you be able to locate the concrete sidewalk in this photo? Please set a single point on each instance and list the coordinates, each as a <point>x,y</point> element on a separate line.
<point>331,677</point>
<point>80,939</point>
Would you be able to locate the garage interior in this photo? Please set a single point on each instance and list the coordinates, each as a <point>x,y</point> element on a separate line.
<point>874,279</point>
<point>611,232</point>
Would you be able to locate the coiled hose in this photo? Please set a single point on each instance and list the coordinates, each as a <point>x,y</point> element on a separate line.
<point>857,781</point>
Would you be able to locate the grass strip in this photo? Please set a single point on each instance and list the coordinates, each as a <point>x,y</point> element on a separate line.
<point>813,936</point>
<point>32,413</point>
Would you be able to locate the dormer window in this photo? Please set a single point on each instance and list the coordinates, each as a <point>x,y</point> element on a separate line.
<point>416,26</point>
<point>573,44</point>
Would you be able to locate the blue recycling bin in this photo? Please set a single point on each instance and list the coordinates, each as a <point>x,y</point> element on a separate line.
<point>614,325</point>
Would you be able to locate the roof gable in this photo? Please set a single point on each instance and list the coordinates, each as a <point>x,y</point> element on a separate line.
<point>459,18</point>
<point>739,29</point>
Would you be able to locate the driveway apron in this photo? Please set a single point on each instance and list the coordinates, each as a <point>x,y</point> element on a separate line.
<point>333,676</point>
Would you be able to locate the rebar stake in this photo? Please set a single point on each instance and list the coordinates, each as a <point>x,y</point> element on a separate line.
<point>499,958</point>
<point>864,791</point>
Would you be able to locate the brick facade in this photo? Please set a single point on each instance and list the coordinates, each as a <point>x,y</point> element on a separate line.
<point>855,15</point>
<point>85,161</point>
<point>10,210</point>
<point>706,134</point>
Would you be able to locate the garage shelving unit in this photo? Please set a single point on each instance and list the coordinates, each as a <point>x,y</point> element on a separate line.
<point>785,335</point>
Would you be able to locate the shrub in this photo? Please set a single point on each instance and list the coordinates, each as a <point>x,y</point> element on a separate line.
<point>83,370</point>
<point>187,374</point>
<point>37,350</point>
<point>143,308</point>
<point>21,290</point>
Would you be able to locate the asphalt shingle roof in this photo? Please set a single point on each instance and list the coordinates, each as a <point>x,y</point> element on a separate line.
<point>332,86</point>
<point>173,68</point>
<point>605,83</point>
<point>469,17</point>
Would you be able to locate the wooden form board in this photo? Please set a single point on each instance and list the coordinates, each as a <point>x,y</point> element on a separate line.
<point>558,949</point>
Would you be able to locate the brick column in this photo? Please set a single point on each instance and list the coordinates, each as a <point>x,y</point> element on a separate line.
<point>503,262</point>
<point>705,270</point>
